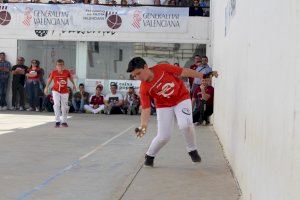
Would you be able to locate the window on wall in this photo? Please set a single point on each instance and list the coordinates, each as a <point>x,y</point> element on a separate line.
<point>109,60</point>
<point>47,52</point>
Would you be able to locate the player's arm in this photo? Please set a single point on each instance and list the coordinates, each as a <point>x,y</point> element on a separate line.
<point>194,74</point>
<point>145,116</point>
<point>47,85</point>
<point>73,82</point>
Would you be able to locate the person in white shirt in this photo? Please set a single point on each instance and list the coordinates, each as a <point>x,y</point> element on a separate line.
<point>114,101</point>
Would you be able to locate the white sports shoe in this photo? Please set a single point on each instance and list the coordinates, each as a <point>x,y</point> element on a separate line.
<point>4,108</point>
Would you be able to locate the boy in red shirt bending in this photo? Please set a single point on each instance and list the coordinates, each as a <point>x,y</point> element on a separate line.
<point>172,99</point>
<point>60,92</point>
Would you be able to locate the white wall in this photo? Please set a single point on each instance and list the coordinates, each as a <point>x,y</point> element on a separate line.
<point>257,101</point>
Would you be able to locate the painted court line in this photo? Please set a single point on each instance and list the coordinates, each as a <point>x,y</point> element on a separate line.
<point>75,163</point>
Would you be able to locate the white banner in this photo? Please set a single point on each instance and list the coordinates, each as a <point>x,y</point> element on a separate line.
<point>123,85</point>
<point>83,17</point>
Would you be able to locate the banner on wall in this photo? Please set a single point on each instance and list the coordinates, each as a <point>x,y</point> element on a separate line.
<point>83,17</point>
<point>123,85</point>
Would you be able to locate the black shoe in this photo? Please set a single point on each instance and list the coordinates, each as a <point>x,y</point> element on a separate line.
<point>64,125</point>
<point>195,156</point>
<point>148,161</point>
<point>57,125</point>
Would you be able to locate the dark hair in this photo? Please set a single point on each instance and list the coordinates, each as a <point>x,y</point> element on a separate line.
<point>81,84</point>
<point>99,86</point>
<point>136,63</point>
<point>204,57</point>
<point>207,75</point>
<point>36,61</point>
<point>60,61</point>
<point>197,56</point>
<point>114,84</point>
<point>70,91</point>
<point>2,53</point>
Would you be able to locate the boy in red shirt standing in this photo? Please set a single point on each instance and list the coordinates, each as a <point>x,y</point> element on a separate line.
<point>60,92</point>
<point>172,99</point>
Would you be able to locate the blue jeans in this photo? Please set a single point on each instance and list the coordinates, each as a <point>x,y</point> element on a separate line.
<point>3,89</point>
<point>78,104</point>
<point>33,88</point>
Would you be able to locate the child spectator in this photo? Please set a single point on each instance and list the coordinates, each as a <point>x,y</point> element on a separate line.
<point>96,104</point>
<point>202,101</point>
<point>80,98</point>
<point>132,102</point>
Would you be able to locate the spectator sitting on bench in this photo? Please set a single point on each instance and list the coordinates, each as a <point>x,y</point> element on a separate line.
<point>114,101</point>
<point>96,104</point>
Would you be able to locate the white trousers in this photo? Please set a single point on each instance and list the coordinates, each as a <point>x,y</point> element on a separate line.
<point>165,119</point>
<point>93,110</point>
<point>60,106</point>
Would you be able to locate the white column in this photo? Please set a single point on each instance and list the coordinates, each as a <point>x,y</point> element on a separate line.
<point>81,61</point>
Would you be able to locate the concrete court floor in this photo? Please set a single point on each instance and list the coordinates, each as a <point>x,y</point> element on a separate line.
<point>99,158</point>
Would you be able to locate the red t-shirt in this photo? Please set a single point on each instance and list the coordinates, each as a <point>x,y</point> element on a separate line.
<point>209,90</point>
<point>167,89</point>
<point>97,100</point>
<point>60,81</point>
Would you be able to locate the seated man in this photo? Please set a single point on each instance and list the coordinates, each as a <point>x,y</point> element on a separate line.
<point>202,102</point>
<point>96,104</point>
<point>114,101</point>
<point>70,101</point>
<point>132,102</point>
<point>80,98</point>
<point>48,103</point>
